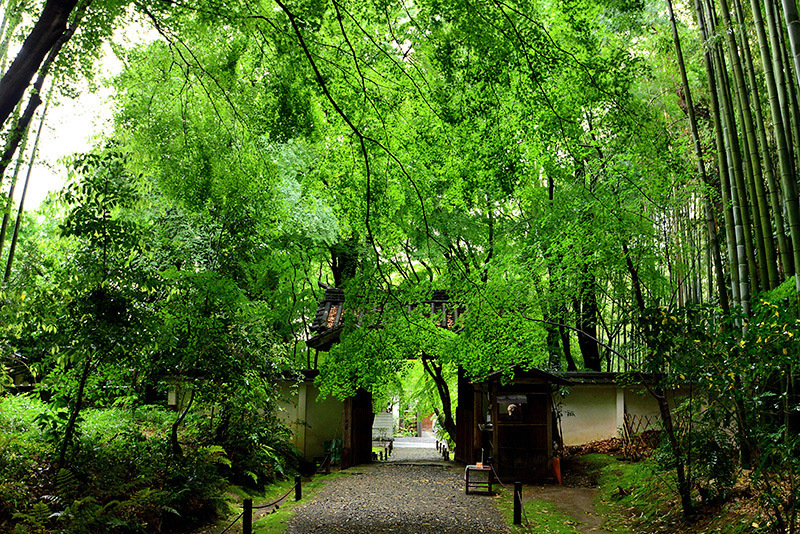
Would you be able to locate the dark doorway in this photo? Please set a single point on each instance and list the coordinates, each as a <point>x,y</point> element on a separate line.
<point>357,436</point>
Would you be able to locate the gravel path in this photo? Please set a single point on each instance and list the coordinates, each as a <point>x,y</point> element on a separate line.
<point>397,499</point>
<point>416,450</point>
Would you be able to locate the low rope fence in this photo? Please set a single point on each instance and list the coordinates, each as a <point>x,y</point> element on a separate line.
<point>230,525</point>
<point>246,514</point>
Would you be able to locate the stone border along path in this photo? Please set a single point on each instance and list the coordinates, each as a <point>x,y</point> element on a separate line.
<point>386,498</point>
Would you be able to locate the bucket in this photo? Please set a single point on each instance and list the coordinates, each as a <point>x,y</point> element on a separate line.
<point>557,469</point>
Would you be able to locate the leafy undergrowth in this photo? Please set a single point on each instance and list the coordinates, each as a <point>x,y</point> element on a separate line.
<point>641,496</point>
<point>121,475</point>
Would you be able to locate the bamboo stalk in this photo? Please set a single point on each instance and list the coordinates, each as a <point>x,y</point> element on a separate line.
<point>768,262</point>
<point>789,187</point>
<point>786,103</point>
<point>722,166</point>
<point>750,157</point>
<point>734,177</point>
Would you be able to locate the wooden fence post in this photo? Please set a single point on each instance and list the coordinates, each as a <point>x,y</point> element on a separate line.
<point>247,517</point>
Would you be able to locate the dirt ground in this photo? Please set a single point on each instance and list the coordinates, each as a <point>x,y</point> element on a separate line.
<point>575,498</point>
<point>575,502</point>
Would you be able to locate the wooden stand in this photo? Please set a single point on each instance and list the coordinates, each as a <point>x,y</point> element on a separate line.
<point>478,478</point>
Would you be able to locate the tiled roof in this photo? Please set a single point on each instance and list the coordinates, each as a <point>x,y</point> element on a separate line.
<point>329,311</point>
<point>329,319</point>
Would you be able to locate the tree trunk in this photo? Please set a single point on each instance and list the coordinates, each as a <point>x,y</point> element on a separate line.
<point>435,371</point>
<point>344,260</point>
<point>11,188</point>
<point>684,484</point>
<point>47,31</point>
<point>18,222</point>
<point>73,416</point>
<point>566,345</point>
<point>21,126</point>
<point>12,17</point>
<point>177,452</point>
<point>553,343</point>
<point>586,311</point>
<point>6,36</point>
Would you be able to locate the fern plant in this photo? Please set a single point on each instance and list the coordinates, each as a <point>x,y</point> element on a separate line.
<point>34,521</point>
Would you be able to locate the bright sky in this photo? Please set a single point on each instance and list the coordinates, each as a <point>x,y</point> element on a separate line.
<point>73,125</point>
<point>69,128</point>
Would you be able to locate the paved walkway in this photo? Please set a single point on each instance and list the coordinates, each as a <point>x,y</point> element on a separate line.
<point>388,498</point>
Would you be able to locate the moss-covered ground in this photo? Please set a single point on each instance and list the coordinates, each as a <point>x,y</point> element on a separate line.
<point>631,498</point>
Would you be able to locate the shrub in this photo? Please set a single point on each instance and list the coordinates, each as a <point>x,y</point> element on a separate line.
<point>121,478</point>
<point>256,442</point>
<point>710,452</point>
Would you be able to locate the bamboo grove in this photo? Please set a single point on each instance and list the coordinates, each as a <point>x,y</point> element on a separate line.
<point>745,134</point>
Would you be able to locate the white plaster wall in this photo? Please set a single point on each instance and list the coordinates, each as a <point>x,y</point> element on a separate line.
<point>311,420</point>
<point>596,414</point>
<point>288,411</point>
<point>324,419</point>
<point>639,402</point>
<point>600,410</point>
